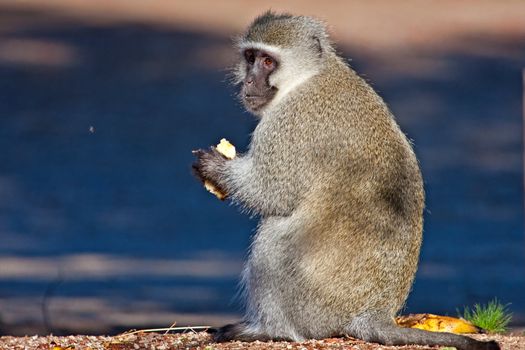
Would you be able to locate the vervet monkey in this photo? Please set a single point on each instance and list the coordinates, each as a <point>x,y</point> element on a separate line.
<point>338,191</point>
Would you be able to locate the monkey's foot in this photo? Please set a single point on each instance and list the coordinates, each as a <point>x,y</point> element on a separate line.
<point>238,331</point>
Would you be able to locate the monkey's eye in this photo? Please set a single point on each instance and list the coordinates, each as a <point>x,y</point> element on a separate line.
<point>249,55</point>
<point>268,62</point>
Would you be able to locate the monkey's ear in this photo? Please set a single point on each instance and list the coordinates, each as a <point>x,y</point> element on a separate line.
<point>318,45</point>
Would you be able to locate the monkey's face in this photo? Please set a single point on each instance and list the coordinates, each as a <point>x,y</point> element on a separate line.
<point>256,91</point>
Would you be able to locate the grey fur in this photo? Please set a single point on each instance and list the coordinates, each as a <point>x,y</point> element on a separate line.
<point>340,198</point>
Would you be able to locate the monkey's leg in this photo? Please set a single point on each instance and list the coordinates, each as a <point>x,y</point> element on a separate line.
<point>388,333</point>
<point>268,316</point>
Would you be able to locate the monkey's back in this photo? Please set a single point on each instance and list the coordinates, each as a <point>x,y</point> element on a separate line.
<point>350,245</point>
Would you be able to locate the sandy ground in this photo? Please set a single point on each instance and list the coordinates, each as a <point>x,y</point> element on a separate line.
<point>202,341</point>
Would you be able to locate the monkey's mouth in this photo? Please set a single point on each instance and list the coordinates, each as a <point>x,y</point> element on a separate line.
<point>255,99</point>
<point>252,97</point>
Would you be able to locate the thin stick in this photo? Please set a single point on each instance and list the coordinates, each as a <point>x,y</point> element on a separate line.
<point>190,329</point>
<point>165,329</point>
<point>171,327</point>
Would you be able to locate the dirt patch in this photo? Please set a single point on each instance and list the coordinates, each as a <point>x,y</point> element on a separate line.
<point>202,340</point>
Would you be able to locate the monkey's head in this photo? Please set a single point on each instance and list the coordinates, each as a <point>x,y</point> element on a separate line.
<point>278,52</point>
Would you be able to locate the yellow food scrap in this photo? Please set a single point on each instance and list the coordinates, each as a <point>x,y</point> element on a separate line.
<point>212,189</point>
<point>435,323</point>
<point>228,150</point>
<point>57,347</point>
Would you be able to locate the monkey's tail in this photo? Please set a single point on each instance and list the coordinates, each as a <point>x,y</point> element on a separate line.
<point>388,333</point>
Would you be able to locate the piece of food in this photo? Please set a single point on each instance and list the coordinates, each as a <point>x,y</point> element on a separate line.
<point>436,323</point>
<point>212,189</point>
<point>228,150</point>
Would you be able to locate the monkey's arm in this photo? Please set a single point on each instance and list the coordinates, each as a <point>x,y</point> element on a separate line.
<point>249,185</point>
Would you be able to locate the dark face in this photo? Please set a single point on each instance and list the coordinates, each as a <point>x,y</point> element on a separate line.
<point>256,91</point>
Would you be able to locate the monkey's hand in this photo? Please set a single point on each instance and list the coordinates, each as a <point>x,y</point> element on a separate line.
<point>209,168</point>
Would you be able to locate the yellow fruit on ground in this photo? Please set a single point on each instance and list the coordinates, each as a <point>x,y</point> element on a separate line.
<point>436,323</point>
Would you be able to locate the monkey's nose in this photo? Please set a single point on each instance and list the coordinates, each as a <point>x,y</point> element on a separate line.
<point>249,79</point>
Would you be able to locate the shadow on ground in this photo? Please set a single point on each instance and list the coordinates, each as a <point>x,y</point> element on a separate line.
<point>103,227</point>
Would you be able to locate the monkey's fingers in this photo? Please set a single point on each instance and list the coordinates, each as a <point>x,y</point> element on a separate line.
<point>201,154</point>
<point>196,170</point>
<point>198,152</point>
<point>209,185</point>
<point>197,167</point>
<point>218,153</point>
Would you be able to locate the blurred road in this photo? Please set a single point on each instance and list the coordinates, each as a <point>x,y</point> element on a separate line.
<point>102,227</point>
